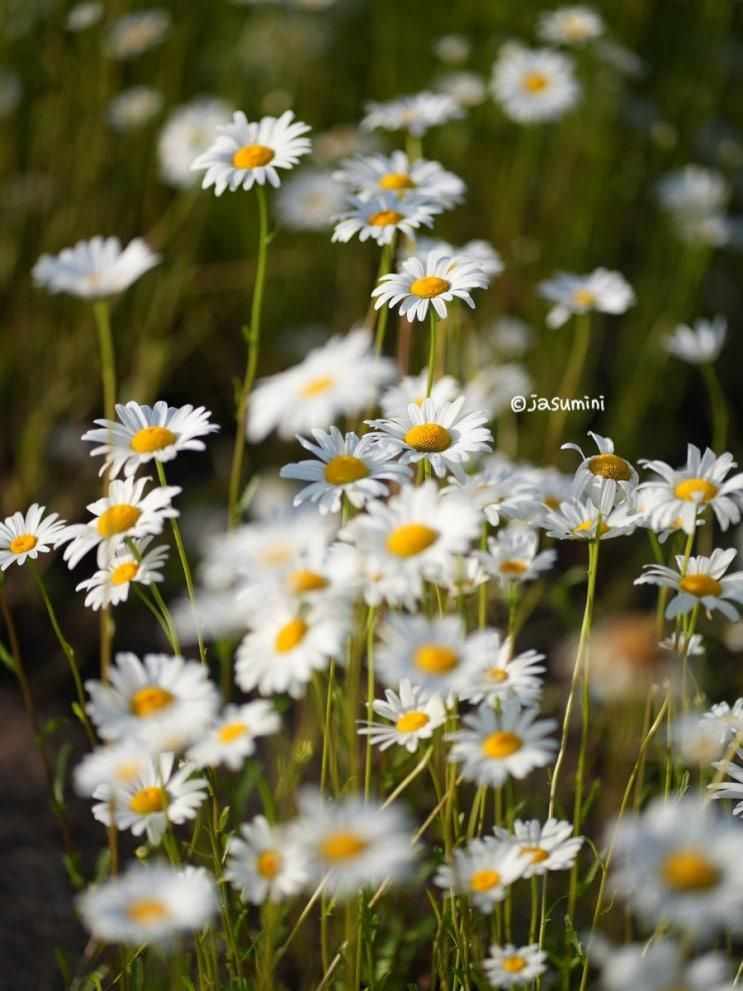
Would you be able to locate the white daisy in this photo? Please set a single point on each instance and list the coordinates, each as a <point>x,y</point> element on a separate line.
<point>415,713</point>
<point>163,702</point>
<point>247,152</point>
<point>26,535</point>
<point>126,512</point>
<point>112,766</point>
<point>466,88</point>
<point>84,15</point>
<point>605,478</point>
<point>494,386</point>
<point>415,114</point>
<point>494,746</point>
<point>412,389</point>
<point>510,336</point>
<point>382,216</point>
<point>232,738</point>
<point>514,966</point>
<point>95,269</point>
<point>570,25</point>
<point>341,378</point>
<point>513,556</point>
<point>309,200</point>
<point>500,491</point>
<point>696,741</point>
<point>136,33</point>
<point>676,644</point>
<point>452,48</point>
<point>694,192</point>
<point>158,795</point>
<point>483,870</point>
<point>148,904</point>
<point>532,85</point>
<point>502,675</point>
<point>662,966</point>
<point>359,468</point>
<point>110,585</point>
<point>147,433</point>
<point>263,865</point>
<point>189,131</point>
<point>577,520</point>
<point>727,719</point>
<point>439,280</point>
<point>731,786</point>
<point>548,847</point>
<point>703,583</point>
<point>601,291</point>
<point>368,176</point>
<point>134,108</point>
<point>700,344</point>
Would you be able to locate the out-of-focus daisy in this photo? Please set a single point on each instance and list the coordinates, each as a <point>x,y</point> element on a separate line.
<point>662,966</point>
<point>113,766</point>
<point>435,654</point>
<point>494,386</point>
<point>700,344</point>
<point>570,25</point>
<point>548,847</point>
<point>438,281</point>
<point>513,556</point>
<point>677,644</point>
<point>158,795</point>
<point>382,216</point>
<point>262,865</point>
<point>602,290</point>
<point>147,433</point>
<point>232,738</point>
<point>413,716</point>
<point>511,337</point>
<point>696,741</point>
<point>369,176</point>
<point>11,91</point>
<point>359,468</point>
<point>452,48</point>
<point>84,15</point>
<point>245,152</point>
<point>500,491</point>
<point>189,131</point>
<point>533,85</point>
<point>478,252</point>
<point>412,389</point>
<point>95,269</point>
<point>494,746</point>
<point>484,870</point>
<point>109,586</point>
<point>441,435</point>
<point>26,535</point>
<point>679,496</point>
<point>126,512</point>
<point>150,904</point>
<point>351,843</point>
<point>164,702</point>
<point>703,582</point>
<point>314,576</point>
<point>341,378</point>
<point>134,108</point>
<point>502,675</point>
<point>694,191</point>
<point>467,88</point>
<point>606,478</point>
<point>309,200</point>
<point>578,519</point>
<point>136,33</point>
<point>514,966</point>
<point>731,785</point>
<point>415,114</point>
<point>727,719</point>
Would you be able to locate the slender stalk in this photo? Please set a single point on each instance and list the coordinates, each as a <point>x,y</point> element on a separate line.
<point>102,314</point>
<point>431,351</point>
<point>718,407</point>
<point>385,266</point>
<point>570,381</point>
<point>369,697</point>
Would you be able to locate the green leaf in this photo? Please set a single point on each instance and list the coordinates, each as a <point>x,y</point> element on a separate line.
<point>7,658</point>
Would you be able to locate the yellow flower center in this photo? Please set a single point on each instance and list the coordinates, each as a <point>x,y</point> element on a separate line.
<point>484,880</point>
<point>610,466</point>
<point>290,636</point>
<point>146,801</point>
<point>344,469</point>
<point>396,180</point>
<point>429,286</point>
<point>498,675</point>
<point>534,82</point>
<point>149,700</point>
<point>435,658</point>
<point>117,519</point>
<point>252,156</point>
<point>513,965</point>
<point>275,554</point>
<point>342,846</point>
<point>552,503</point>
<point>231,732</point>
<point>317,386</point>
<point>695,490</point>
<point>124,573</point>
<point>689,870</point>
<point>306,581</point>
<point>428,437</point>
<point>384,218</point>
<point>512,567</point>
<point>126,771</point>
<point>584,297</point>
<point>22,544</point>
<point>537,854</point>
<point>700,585</point>
<point>147,911</point>
<point>150,439</point>
<point>587,525</point>
<point>576,29</point>
<point>411,722</point>
<point>411,539</point>
<point>268,864</point>
<point>501,744</point>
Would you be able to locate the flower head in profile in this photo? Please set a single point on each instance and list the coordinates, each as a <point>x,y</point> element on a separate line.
<point>534,85</point>
<point>245,152</point>
<point>514,966</point>
<point>381,217</point>
<point>95,269</point>
<point>602,290</point>
<point>484,870</point>
<point>438,280</point>
<point>500,491</point>
<point>570,25</point>
<point>605,478</point>
<point>578,519</point>
<point>368,176</point>
<point>263,864</point>
<point>412,716</point>
<point>700,344</point>
<point>110,585</point>
<point>700,582</point>
<point>26,535</point>
<point>414,114</point>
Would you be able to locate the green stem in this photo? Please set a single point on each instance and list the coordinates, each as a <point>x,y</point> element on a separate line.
<point>570,381</point>
<point>369,697</point>
<point>385,266</point>
<point>718,407</point>
<point>431,351</point>
<point>108,364</point>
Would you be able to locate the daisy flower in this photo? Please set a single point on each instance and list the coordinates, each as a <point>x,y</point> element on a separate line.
<point>439,280</point>
<point>500,491</point>
<point>503,676</point>
<point>662,966</point>
<point>548,847</point>
<point>510,336</point>
<point>694,192</point>
<point>414,114</point>
<point>484,870</point>
<point>112,766</point>
<point>341,378</point>
<point>110,585</point>
<point>262,865</point>
<point>731,786</point>
<point>245,153</point>
<point>189,131</point>
<point>351,844</point>
<point>134,108</point>
<point>441,435</point>
<point>696,741</point>
<point>704,583</point>
<point>700,344</point>
<point>412,389</point>
<point>577,520</point>
<point>359,468</point>
<point>147,433</point>
<point>158,795</point>
<point>148,904</point>
<point>316,575</point>
<point>570,25</point>
<point>513,556</point>
<point>514,966</point>
<point>466,88</point>
<point>533,85</point>
<point>126,512</point>
<point>494,746</point>
<point>452,48</point>
<point>84,15</point>
<point>727,719</point>
<point>157,701</point>
<point>605,478</point>
<point>368,176</point>
<point>382,216</point>
<point>601,290</point>
<point>309,201</point>
<point>232,738</point>
<point>678,497</point>
<point>136,33</point>
<point>95,269</point>
<point>494,387</point>
<point>26,535</point>
<point>676,644</point>
<point>415,713</point>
